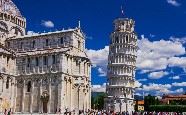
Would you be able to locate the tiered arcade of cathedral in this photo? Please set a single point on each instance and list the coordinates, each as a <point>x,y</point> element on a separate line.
<point>44,72</point>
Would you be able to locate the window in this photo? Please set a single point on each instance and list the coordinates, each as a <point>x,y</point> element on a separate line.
<point>45,61</point>
<point>8,44</point>
<point>127,26</point>
<point>29,85</point>
<point>61,41</point>
<point>46,42</point>
<point>33,44</point>
<point>7,83</point>
<point>53,59</point>
<point>127,38</point>
<point>8,58</point>
<point>21,45</point>
<point>84,67</point>
<point>28,62</point>
<point>37,61</point>
<point>79,45</point>
<point>79,68</point>
<point>124,94</point>
<point>16,31</point>
<point>117,40</point>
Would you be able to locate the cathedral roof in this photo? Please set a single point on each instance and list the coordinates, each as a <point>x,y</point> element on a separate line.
<point>9,7</point>
<point>43,34</point>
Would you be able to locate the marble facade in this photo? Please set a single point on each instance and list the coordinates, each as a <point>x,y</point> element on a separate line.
<point>44,72</point>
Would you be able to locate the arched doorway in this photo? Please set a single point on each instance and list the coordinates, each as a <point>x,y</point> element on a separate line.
<point>44,100</point>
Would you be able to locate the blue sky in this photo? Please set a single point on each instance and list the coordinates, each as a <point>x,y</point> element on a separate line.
<point>160,24</point>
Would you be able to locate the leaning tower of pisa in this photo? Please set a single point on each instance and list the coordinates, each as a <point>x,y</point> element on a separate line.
<point>121,67</point>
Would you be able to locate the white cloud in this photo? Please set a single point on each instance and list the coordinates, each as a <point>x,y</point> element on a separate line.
<point>158,97</point>
<point>160,89</point>
<point>31,33</point>
<point>181,40</point>
<point>99,59</point>
<point>152,55</point>
<point>157,75</point>
<point>173,2</point>
<point>99,88</point>
<point>170,92</point>
<point>139,94</point>
<point>142,79</point>
<point>174,77</point>
<point>156,87</point>
<point>102,72</point>
<point>152,35</point>
<point>177,61</point>
<point>182,84</point>
<point>138,84</point>
<point>178,91</point>
<point>48,23</point>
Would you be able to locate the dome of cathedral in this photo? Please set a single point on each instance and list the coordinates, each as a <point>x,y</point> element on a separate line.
<point>9,7</point>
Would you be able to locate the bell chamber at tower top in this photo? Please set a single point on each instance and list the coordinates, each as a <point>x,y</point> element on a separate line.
<point>124,25</point>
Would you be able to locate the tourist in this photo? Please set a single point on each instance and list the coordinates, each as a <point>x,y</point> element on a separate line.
<point>9,112</point>
<point>5,113</point>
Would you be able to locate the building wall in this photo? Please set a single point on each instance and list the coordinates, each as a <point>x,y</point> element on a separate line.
<point>7,80</point>
<point>49,67</point>
<point>62,68</point>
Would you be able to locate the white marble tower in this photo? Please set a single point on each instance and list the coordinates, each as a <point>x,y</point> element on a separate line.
<point>121,67</point>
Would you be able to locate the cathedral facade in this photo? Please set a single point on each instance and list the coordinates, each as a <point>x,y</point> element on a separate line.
<point>45,72</point>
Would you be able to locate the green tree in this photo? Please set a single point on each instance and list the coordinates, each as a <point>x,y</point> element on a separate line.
<point>157,101</point>
<point>99,101</point>
<point>92,102</point>
<point>150,100</point>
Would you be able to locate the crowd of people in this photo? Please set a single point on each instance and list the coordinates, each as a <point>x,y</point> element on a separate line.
<point>124,113</point>
<point>8,112</point>
<point>95,112</point>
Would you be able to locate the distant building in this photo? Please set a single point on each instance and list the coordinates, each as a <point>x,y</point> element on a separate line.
<point>166,99</point>
<point>45,72</point>
<point>139,104</point>
<point>121,67</point>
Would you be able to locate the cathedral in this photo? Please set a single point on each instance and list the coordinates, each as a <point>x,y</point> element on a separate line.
<point>41,73</point>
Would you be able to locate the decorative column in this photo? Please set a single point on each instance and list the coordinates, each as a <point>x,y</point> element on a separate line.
<point>23,97</point>
<point>31,96</point>
<point>50,95</point>
<point>39,98</point>
<point>15,95</point>
<point>61,93</point>
<point>70,94</point>
<point>12,92</point>
<point>66,98</point>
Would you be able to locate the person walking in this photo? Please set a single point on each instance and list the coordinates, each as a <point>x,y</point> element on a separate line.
<point>5,112</point>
